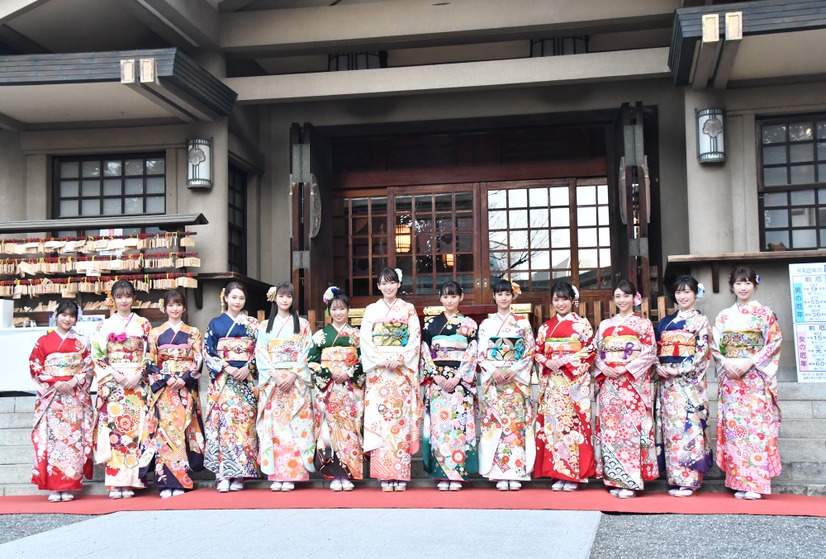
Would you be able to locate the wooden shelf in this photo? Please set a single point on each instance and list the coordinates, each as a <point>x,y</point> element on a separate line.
<point>167,222</point>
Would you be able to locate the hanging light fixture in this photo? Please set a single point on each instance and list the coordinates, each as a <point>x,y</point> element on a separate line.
<point>403,238</point>
<point>199,162</point>
<point>711,146</point>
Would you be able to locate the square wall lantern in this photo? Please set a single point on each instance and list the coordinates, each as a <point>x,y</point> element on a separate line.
<point>711,146</point>
<point>199,162</point>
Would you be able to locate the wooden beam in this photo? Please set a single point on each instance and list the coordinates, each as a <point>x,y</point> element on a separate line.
<point>166,221</point>
<point>734,36</point>
<point>709,52</point>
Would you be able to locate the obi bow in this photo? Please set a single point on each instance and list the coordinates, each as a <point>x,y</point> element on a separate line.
<point>119,338</point>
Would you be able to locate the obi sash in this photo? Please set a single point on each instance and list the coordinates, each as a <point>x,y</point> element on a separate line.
<point>129,350</point>
<point>339,358</point>
<point>236,349</point>
<point>743,343</point>
<point>175,358</point>
<point>285,350</point>
<point>677,343</point>
<point>448,348</point>
<point>63,366</point>
<point>390,333</point>
<point>501,348</point>
<point>620,349</point>
<point>561,347</point>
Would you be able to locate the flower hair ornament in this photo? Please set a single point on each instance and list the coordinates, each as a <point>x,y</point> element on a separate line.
<point>331,292</point>
<point>576,295</point>
<point>637,299</point>
<point>271,293</point>
<point>517,291</point>
<point>757,279</point>
<point>109,300</point>
<point>162,307</point>
<point>399,273</point>
<point>701,290</point>
<point>222,299</point>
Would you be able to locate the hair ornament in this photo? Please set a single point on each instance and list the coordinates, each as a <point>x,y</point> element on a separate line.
<point>517,291</point>
<point>222,299</point>
<point>161,305</point>
<point>701,290</point>
<point>757,278</point>
<point>109,300</point>
<point>576,295</point>
<point>331,292</point>
<point>399,273</point>
<point>637,299</point>
<point>271,293</point>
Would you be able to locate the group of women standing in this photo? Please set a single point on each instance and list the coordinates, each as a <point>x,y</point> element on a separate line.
<point>287,402</point>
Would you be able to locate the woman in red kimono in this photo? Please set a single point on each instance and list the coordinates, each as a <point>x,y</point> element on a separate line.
<point>62,436</point>
<point>563,432</point>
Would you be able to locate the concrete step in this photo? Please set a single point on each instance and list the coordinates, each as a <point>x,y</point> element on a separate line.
<point>17,420</point>
<point>11,404</point>
<point>15,436</point>
<point>16,454</point>
<point>16,473</point>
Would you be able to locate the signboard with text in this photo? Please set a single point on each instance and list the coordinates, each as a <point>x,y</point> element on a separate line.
<point>808,287</point>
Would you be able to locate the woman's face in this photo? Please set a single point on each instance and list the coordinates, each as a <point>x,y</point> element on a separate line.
<point>744,290</point>
<point>65,321</point>
<point>338,312</point>
<point>451,302</point>
<point>236,301</point>
<point>685,297</point>
<point>123,302</point>
<point>284,300</point>
<point>174,310</point>
<point>562,305</point>
<point>503,300</point>
<point>624,301</point>
<point>388,288</point>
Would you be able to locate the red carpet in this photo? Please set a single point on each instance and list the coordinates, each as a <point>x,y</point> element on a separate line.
<point>420,498</point>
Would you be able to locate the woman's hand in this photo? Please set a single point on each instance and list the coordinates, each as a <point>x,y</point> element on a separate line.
<point>175,383</point>
<point>65,386</point>
<point>131,382</point>
<point>286,382</point>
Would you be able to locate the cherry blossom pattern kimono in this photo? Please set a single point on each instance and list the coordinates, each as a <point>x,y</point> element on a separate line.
<point>624,428</point>
<point>507,446</point>
<point>683,448</point>
<point>62,433</point>
<point>339,407</point>
<point>120,344</point>
<point>391,403</point>
<point>748,416</point>
<point>174,437</point>
<point>285,419</point>
<point>563,422</point>
<point>232,405</point>
<point>449,350</point>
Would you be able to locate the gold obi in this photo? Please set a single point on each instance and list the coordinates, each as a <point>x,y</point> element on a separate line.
<point>175,359</point>
<point>285,350</point>
<point>620,349</point>
<point>561,347</point>
<point>744,343</point>
<point>390,333</point>
<point>505,349</point>
<point>677,343</point>
<point>339,358</point>
<point>63,364</point>
<point>127,351</point>
<point>236,349</point>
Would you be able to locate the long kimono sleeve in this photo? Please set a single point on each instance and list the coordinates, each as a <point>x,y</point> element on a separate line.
<point>191,377</point>
<point>104,372</point>
<point>596,347</point>
<point>648,353</point>
<point>486,366</point>
<point>539,355</point>
<point>766,360</point>
<point>467,367</point>
<point>263,360</point>
<point>85,374</point>
<point>157,380</point>
<point>215,365</point>
<point>357,377</point>
<point>581,360</point>
<point>302,370</point>
<point>321,374</point>
<point>524,366</point>
<point>427,368</point>
<point>370,356</point>
<point>37,366</point>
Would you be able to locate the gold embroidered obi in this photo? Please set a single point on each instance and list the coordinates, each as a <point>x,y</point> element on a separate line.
<point>448,348</point>
<point>236,349</point>
<point>677,343</point>
<point>501,348</point>
<point>175,359</point>
<point>743,343</point>
<point>620,349</point>
<point>126,351</point>
<point>63,366</point>
<point>390,333</point>
<point>561,347</point>
<point>285,351</point>
<point>339,358</point>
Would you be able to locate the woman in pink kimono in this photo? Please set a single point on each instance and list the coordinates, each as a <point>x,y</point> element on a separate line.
<point>390,345</point>
<point>285,406</point>
<point>624,429</point>
<point>507,446</point>
<point>62,436</point>
<point>746,349</point>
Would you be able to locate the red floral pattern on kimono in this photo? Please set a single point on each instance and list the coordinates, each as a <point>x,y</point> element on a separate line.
<point>624,427</point>
<point>391,335</point>
<point>62,433</point>
<point>563,437</point>
<point>285,419</point>
<point>119,345</point>
<point>174,438</point>
<point>507,446</point>
<point>748,416</point>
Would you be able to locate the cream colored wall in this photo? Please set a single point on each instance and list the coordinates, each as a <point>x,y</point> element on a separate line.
<point>12,179</point>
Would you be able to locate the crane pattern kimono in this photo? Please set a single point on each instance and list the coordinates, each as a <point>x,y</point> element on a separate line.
<point>748,417</point>
<point>624,427</point>
<point>449,350</point>
<point>683,448</point>
<point>563,439</point>
<point>174,438</point>
<point>62,435</point>
<point>120,343</point>
<point>391,333</point>
<point>285,419</point>
<point>507,446</point>
<point>339,407</point>
<point>232,405</point>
